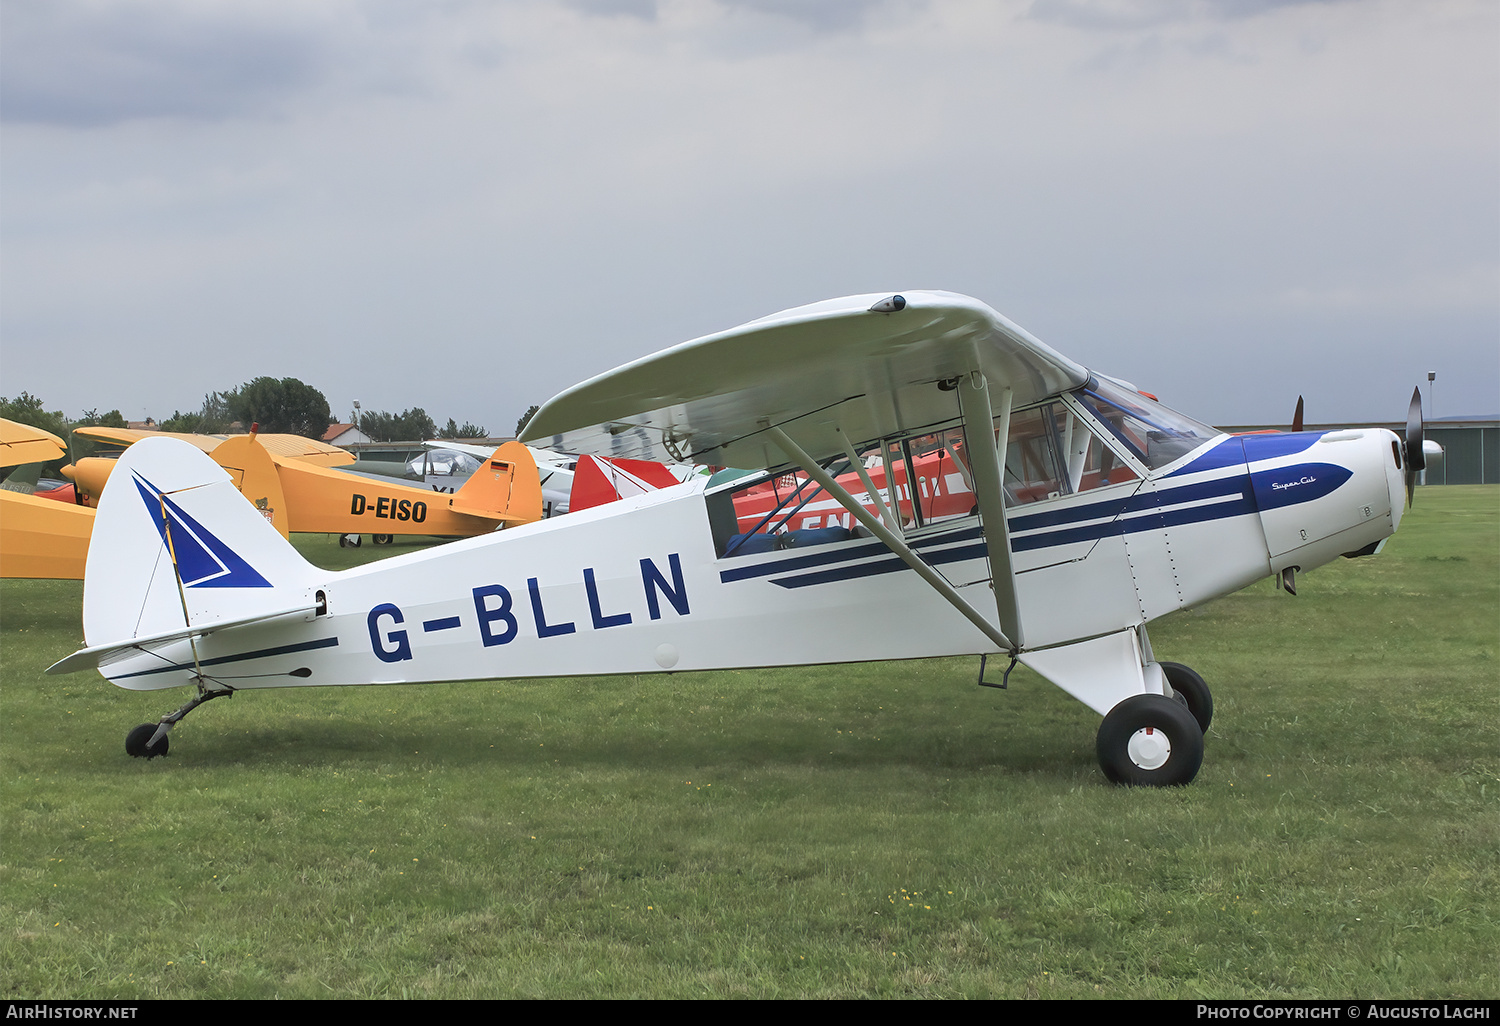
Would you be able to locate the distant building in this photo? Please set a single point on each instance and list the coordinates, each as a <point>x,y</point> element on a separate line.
<point>344,435</point>
<point>1471,450</point>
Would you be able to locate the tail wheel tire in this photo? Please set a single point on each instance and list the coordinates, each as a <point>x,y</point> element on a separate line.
<point>1150,741</point>
<point>136,740</point>
<point>1193,691</point>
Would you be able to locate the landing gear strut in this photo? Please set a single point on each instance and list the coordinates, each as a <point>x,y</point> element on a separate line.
<point>150,739</point>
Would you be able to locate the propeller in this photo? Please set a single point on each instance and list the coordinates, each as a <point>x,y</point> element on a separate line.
<point>1297,417</point>
<point>1412,456</point>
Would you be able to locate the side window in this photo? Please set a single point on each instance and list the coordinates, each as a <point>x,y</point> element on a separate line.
<point>783,512</point>
<point>930,475</point>
<point>1051,452</point>
<point>1090,463</point>
<point>944,485</point>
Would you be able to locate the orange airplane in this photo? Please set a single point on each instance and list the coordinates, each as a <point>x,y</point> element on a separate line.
<point>291,481</point>
<point>39,538</point>
<point>90,473</point>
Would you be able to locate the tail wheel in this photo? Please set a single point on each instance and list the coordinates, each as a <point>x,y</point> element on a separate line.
<point>137,739</point>
<point>1193,692</point>
<point>1151,741</point>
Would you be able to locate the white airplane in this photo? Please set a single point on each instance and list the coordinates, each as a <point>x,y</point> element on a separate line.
<point>1094,511</point>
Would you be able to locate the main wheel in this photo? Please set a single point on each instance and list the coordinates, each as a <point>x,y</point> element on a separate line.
<point>1191,688</point>
<point>381,539</point>
<point>1150,740</point>
<point>349,541</point>
<point>136,740</point>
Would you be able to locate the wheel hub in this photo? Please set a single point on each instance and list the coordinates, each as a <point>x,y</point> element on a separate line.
<point>1149,748</point>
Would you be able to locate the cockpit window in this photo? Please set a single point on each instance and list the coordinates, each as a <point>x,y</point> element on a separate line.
<point>1156,435</point>
<point>1051,452</point>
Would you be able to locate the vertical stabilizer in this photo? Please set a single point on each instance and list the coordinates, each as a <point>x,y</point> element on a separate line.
<point>176,545</point>
<point>253,470</point>
<point>506,487</point>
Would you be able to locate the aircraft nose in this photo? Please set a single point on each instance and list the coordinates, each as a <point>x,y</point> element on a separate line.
<point>1395,480</point>
<point>1338,496</point>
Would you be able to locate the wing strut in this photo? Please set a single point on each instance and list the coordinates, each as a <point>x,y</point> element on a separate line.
<point>986,460</point>
<point>894,541</point>
<point>864,475</point>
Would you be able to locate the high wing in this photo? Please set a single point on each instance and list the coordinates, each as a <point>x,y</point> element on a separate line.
<point>868,366</point>
<point>294,447</point>
<point>805,385</point>
<point>21,444</point>
<point>129,436</point>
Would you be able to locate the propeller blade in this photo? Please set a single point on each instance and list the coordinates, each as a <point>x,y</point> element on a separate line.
<point>1413,456</point>
<point>1297,417</point>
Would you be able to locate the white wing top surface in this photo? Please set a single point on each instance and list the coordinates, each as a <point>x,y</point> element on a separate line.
<point>812,371</point>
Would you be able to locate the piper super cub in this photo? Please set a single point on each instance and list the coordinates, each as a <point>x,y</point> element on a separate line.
<point>1058,512</point>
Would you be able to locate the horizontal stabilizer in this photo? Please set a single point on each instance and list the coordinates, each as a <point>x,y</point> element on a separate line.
<point>102,655</point>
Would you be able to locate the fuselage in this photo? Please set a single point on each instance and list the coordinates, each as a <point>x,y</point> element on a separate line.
<point>655,583</point>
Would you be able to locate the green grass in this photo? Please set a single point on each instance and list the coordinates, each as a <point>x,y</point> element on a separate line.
<point>886,830</point>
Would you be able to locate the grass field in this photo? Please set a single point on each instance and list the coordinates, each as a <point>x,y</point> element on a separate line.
<point>886,830</point>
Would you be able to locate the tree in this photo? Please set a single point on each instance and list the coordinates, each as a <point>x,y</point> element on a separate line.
<point>466,431</point>
<point>214,418</point>
<point>93,418</point>
<point>526,418</point>
<point>285,406</point>
<point>27,409</point>
<point>409,426</point>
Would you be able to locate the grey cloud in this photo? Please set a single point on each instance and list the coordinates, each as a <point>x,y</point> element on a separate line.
<point>642,9</point>
<point>823,16</point>
<point>68,64</point>
<point>1112,15</point>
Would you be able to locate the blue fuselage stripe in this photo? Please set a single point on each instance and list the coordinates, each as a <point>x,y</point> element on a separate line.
<point>1143,510</point>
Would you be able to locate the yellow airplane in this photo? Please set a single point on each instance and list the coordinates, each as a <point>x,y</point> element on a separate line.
<point>290,480</point>
<point>90,473</point>
<point>40,538</point>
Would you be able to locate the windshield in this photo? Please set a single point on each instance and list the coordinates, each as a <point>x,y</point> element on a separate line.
<point>1155,434</point>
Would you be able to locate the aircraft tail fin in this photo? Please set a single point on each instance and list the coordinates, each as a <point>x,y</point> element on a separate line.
<point>600,479</point>
<point>253,470</point>
<point>178,552</point>
<point>506,487</point>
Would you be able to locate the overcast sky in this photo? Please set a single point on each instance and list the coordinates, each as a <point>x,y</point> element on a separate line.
<point>469,206</point>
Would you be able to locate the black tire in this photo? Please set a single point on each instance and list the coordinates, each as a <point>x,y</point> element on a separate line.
<point>1151,763</point>
<point>135,742</point>
<point>381,539</point>
<point>349,541</point>
<point>1193,691</point>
